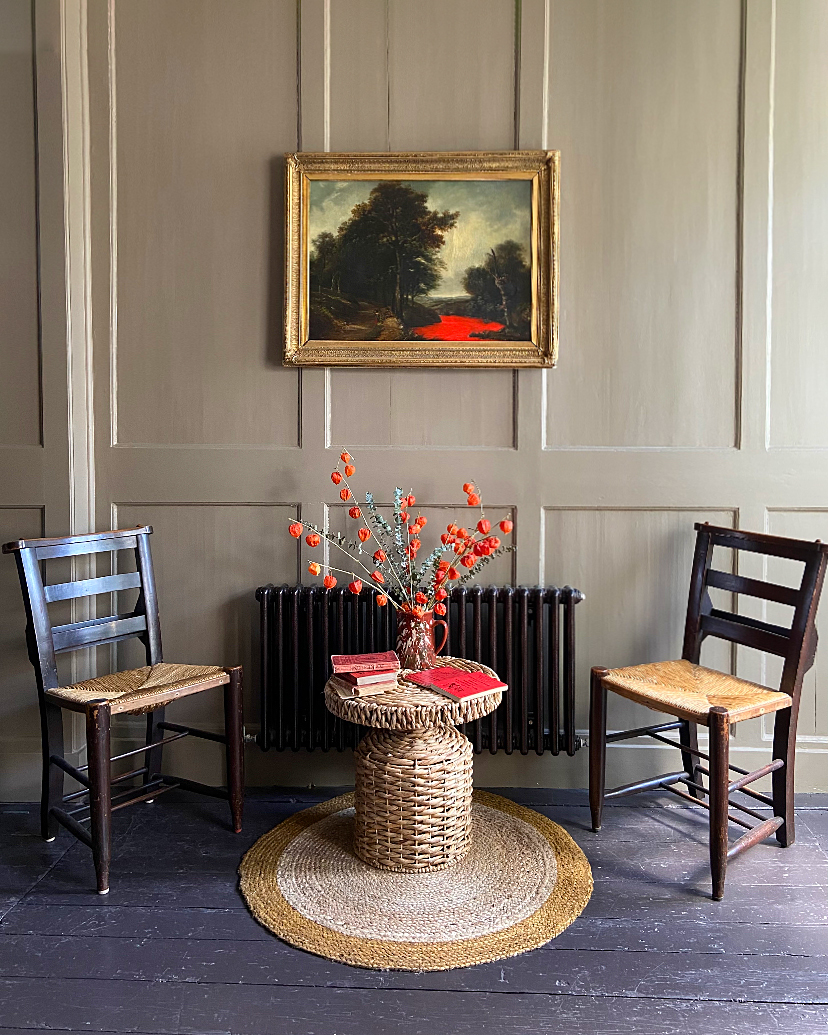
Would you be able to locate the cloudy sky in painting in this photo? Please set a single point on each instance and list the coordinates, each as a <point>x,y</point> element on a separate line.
<point>491,211</point>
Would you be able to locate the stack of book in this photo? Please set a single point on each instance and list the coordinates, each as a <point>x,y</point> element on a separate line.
<point>361,675</point>
<point>457,684</point>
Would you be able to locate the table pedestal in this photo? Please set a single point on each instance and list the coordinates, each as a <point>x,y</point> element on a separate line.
<point>413,798</point>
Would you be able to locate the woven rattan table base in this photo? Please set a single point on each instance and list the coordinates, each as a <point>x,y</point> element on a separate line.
<point>523,881</point>
<point>413,798</point>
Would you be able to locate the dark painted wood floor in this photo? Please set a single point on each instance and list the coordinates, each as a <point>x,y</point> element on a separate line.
<point>173,949</point>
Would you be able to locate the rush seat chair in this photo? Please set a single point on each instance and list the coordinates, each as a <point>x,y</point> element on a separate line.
<point>135,692</point>
<point>697,695</point>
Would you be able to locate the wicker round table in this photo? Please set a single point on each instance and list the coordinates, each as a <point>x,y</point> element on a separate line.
<point>413,773</point>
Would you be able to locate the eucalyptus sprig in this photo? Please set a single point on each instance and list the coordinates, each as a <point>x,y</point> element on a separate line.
<point>393,568</point>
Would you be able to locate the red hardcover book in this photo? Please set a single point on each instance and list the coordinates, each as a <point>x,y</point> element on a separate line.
<point>365,662</point>
<point>384,675</point>
<point>456,684</point>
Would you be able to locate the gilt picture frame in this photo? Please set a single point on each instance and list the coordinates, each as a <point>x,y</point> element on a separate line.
<point>422,259</point>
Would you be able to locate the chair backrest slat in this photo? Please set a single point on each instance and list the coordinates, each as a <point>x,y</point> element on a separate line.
<point>757,542</point>
<point>752,587</point>
<point>760,635</point>
<point>797,644</point>
<point>45,553</point>
<point>98,631</point>
<point>91,587</point>
<point>46,640</point>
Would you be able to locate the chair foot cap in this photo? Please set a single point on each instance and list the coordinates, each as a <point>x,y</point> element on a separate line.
<point>596,829</point>
<point>104,892</point>
<point>49,840</point>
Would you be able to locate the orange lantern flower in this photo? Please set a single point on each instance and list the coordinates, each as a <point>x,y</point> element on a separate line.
<point>382,600</point>
<point>329,581</point>
<point>484,526</point>
<point>354,512</point>
<point>379,556</point>
<point>344,494</point>
<point>314,568</point>
<point>349,470</point>
<point>506,526</point>
<point>439,609</point>
<point>468,487</point>
<point>312,539</point>
<point>468,560</point>
<point>473,499</point>
<point>377,576</point>
<point>295,529</point>
<point>336,477</point>
<point>355,586</point>
<point>441,593</point>
<point>364,534</point>
<point>345,457</point>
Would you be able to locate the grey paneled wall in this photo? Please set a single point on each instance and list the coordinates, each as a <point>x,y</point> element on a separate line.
<point>694,140</point>
<point>20,384</point>
<point>799,358</point>
<point>24,486</point>
<point>199,93</point>
<point>644,106</point>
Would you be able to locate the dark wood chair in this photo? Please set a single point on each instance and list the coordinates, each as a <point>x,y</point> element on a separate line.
<point>700,695</point>
<point>138,691</point>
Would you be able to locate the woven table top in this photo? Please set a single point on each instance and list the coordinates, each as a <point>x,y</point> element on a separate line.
<point>411,707</point>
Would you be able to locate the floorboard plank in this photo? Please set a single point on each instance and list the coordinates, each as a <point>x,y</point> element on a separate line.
<point>801,865</point>
<point>788,979</point>
<point>116,1006</point>
<point>243,1010</point>
<point>766,904</point>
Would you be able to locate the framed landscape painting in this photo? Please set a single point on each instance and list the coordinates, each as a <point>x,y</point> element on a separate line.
<point>444,259</point>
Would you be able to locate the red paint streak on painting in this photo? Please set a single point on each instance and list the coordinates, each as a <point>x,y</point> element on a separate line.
<point>456,328</point>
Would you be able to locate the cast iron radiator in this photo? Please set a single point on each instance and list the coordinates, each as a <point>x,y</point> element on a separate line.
<point>527,635</point>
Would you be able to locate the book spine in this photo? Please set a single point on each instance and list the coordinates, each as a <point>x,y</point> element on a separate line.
<point>356,669</point>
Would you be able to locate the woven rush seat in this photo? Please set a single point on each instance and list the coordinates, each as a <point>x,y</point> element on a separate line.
<point>141,689</point>
<point>690,691</point>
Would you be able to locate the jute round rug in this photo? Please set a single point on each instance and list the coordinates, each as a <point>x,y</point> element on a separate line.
<point>523,882</point>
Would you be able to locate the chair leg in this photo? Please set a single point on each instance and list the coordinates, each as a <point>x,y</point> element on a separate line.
<point>689,737</point>
<point>719,780</point>
<point>234,733</point>
<point>100,789</point>
<point>154,734</point>
<point>784,747</point>
<point>597,744</point>
<point>51,728</point>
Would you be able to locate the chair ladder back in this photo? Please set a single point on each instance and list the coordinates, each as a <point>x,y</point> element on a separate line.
<point>148,602</point>
<point>795,645</point>
<point>698,601</point>
<point>45,640</point>
<point>803,628</point>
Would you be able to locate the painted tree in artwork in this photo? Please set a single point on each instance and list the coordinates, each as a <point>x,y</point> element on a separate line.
<point>501,288</point>
<point>388,249</point>
<point>323,264</point>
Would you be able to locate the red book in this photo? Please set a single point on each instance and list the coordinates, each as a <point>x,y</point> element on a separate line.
<point>384,675</point>
<point>386,661</point>
<point>456,684</point>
